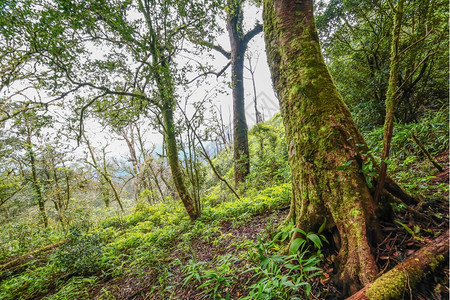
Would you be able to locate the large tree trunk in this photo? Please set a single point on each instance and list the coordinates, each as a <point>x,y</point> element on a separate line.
<point>325,146</point>
<point>241,151</point>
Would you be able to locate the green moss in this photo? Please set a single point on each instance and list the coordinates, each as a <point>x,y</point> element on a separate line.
<point>356,212</point>
<point>387,287</point>
<point>435,260</point>
<point>392,284</point>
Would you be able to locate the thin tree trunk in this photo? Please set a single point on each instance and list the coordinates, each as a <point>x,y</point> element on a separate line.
<point>255,99</point>
<point>35,180</point>
<point>239,42</point>
<point>391,96</point>
<point>208,159</point>
<point>103,173</point>
<point>427,154</point>
<point>134,161</point>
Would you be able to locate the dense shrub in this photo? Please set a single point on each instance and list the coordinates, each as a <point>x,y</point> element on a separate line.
<point>81,254</point>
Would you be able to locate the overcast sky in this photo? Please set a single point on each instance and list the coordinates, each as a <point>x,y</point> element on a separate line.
<point>267,102</point>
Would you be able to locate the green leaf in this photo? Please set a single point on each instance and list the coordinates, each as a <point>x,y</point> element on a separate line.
<point>292,267</point>
<point>264,262</point>
<point>310,269</point>
<point>277,236</point>
<point>315,239</point>
<point>288,284</point>
<point>278,258</point>
<point>295,245</point>
<point>308,289</point>
<point>322,227</point>
<point>299,230</point>
<point>405,226</point>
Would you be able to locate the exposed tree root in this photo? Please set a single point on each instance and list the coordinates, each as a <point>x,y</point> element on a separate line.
<point>393,284</point>
<point>17,262</point>
<point>392,187</point>
<point>411,210</point>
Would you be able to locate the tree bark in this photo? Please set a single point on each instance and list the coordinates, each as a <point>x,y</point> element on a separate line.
<point>325,146</point>
<point>174,163</point>
<point>393,284</point>
<point>239,42</point>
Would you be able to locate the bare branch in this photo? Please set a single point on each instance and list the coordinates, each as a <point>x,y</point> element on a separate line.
<point>218,74</point>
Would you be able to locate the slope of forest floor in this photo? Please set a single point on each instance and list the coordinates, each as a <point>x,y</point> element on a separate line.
<point>403,237</point>
<point>231,252</point>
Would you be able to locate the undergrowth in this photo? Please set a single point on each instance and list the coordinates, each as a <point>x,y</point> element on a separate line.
<point>156,242</point>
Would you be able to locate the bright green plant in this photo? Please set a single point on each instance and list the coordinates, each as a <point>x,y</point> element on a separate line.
<point>287,276</point>
<point>194,271</point>
<point>75,288</point>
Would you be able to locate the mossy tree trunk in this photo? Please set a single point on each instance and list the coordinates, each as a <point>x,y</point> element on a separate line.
<point>405,275</point>
<point>325,146</point>
<point>162,52</point>
<point>37,187</point>
<point>192,208</point>
<point>391,97</point>
<point>166,93</point>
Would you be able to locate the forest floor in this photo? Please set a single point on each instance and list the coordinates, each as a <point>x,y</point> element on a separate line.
<point>156,252</point>
<point>231,240</point>
<point>407,234</point>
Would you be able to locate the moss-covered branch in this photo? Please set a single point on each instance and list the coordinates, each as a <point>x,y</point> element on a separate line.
<point>23,259</point>
<point>407,274</point>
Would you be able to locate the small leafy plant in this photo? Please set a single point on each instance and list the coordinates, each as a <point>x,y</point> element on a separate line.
<point>287,276</point>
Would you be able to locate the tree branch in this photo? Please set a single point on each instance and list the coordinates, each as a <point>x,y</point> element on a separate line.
<point>211,73</point>
<point>83,109</point>
<point>252,33</point>
<point>218,48</point>
<point>205,154</point>
<point>414,71</point>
